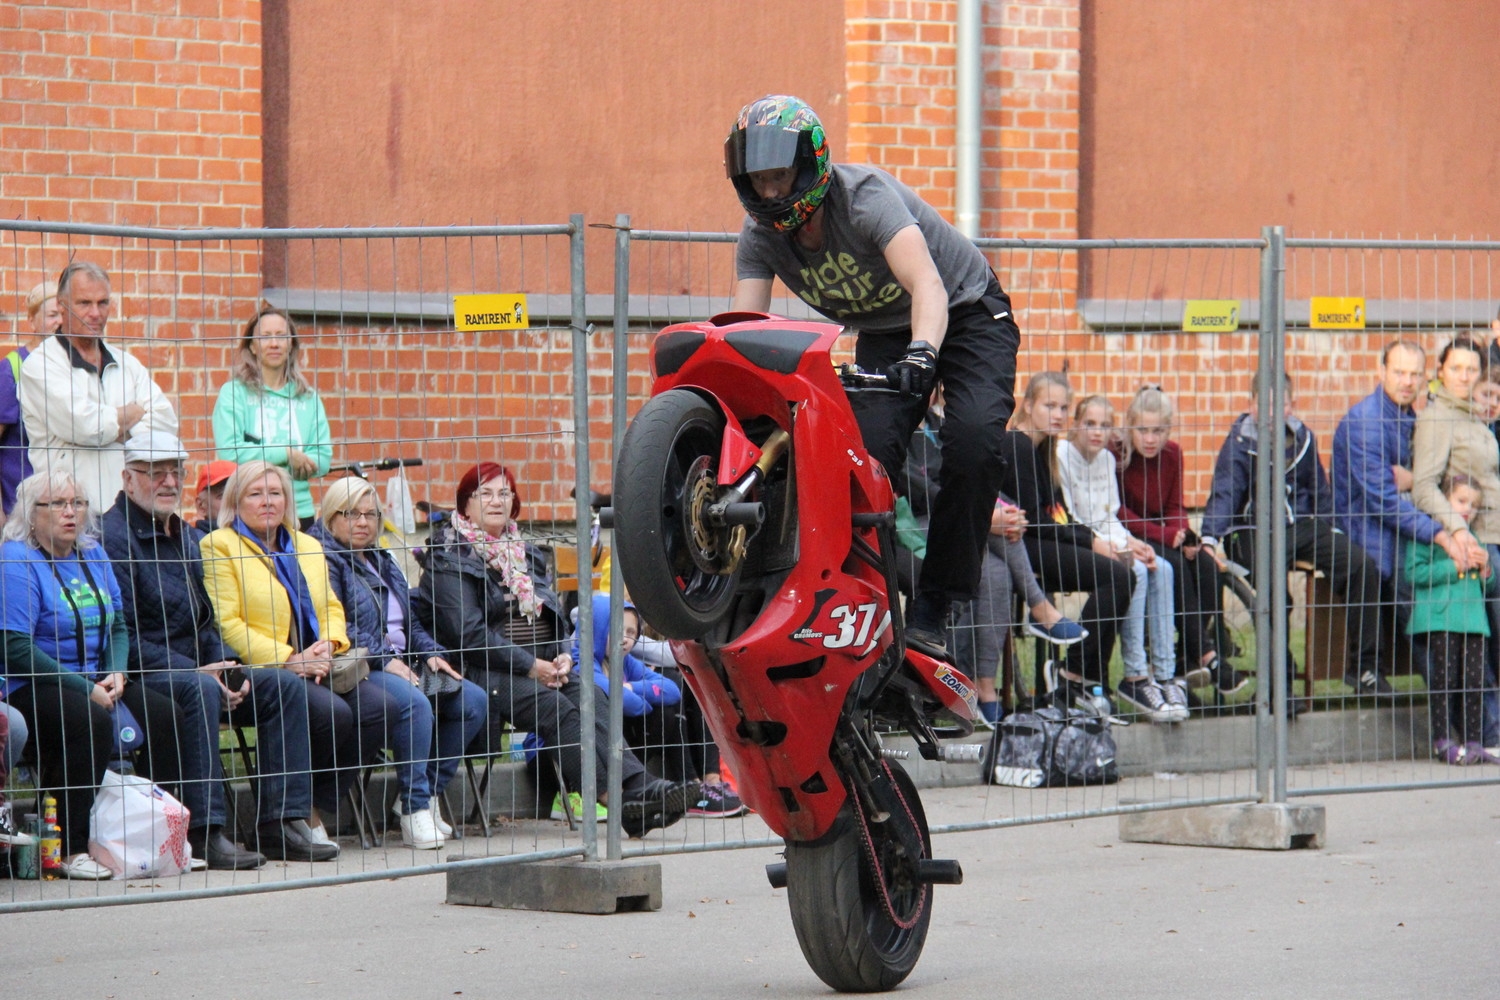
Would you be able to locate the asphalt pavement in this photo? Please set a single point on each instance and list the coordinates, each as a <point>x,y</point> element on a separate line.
<point>1399,903</point>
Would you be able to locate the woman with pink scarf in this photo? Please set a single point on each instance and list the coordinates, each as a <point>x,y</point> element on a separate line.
<point>485,597</point>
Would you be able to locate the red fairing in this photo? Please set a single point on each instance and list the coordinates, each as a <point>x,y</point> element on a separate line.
<point>829,621</point>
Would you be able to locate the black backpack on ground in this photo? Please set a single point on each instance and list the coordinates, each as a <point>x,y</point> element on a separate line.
<point>1052,748</point>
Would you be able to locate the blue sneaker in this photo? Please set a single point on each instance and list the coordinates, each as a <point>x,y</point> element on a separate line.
<point>1063,632</point>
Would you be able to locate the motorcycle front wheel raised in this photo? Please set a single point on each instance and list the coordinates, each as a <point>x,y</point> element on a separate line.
<point>680,570</point>
<point>860,912</point>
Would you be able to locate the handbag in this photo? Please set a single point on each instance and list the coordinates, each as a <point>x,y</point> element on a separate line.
<point>349,669</point>
<point>138,830</point>
<point>436,682</point>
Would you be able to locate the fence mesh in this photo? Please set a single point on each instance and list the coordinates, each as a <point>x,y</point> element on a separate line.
<point>378,344</point>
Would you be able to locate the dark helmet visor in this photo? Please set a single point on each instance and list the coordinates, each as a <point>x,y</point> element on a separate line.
<point>760,147</point>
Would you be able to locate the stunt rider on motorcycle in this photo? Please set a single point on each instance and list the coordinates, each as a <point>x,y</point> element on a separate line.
<point>865,250</point>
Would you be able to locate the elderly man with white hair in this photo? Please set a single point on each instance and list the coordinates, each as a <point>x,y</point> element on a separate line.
<point>82,397</point>
<point>175,646</point>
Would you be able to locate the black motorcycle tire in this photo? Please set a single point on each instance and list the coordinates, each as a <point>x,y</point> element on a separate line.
<point>653,538</point>
<point>846,934</point>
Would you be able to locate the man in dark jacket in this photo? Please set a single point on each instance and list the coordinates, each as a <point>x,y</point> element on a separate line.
<point>1311,535</point>
<point>175,647</point>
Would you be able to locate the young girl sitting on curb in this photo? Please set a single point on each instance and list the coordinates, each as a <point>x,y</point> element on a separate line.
<point>1087,471</point>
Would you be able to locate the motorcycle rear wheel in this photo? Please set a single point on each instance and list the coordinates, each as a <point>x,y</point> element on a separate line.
<point>849,937</point>
<point>681,572</point>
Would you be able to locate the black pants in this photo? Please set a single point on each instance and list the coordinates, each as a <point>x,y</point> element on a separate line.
<point>1455,681</point>
<point>1354,576</point>
<point>552,713</point>
<point>680,734</point>
<point>1199,597</point>
<point>1064,567</point>
<point>977,367</point>
<point>74,740</point>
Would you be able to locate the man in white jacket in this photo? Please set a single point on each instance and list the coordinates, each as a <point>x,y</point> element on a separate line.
<point>81,398</point>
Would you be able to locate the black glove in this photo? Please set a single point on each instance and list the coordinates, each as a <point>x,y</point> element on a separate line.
<point>914,374</point>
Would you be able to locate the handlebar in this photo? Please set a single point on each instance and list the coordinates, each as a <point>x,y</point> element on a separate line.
<point>855,377</point>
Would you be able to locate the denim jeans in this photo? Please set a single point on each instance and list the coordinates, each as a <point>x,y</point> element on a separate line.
<point>460,717</point>
<point>1149,615</point>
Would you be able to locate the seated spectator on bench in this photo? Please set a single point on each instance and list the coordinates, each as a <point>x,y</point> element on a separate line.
<point>270,411</point>
<point>210,493</point>
<point>65,655</point>
<point>655,707</point>
<point>1066,555</point>
<point>983,623</point>
<point>717,796</point>
<point>1086,469</point>
<point>484,596</point>
<point>377,614</point>
<point>268,583</point>
<point>1306,502</point>
<point>175,649</point>
<point>1152,508</point>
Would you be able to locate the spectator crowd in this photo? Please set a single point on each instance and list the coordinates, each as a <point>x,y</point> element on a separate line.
<point>279,609</point>
<point>129,635</point>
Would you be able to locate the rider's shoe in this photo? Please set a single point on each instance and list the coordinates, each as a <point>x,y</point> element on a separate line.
<point>927,624</point>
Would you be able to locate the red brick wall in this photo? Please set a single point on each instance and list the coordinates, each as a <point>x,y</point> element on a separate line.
<point>136,112</point>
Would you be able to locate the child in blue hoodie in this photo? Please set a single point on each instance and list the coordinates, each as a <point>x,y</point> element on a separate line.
<point>656,716</point>
<point>644,688</point>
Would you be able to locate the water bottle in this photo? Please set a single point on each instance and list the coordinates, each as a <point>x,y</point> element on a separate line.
<point>50,846</point>
<point>1097,702</point>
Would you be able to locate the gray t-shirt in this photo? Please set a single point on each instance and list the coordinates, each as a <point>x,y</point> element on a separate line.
<point>848,280</point>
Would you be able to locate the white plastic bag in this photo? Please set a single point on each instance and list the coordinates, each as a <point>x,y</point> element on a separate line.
<point>138,830</point>
<point>399,508</point>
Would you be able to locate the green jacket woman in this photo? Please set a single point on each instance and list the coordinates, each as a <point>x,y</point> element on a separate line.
<point>269,410</point>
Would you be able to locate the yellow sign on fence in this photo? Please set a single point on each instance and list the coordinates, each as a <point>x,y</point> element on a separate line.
<point>1211,316</point>
<point>491,312</point>
<point>1334,313</point>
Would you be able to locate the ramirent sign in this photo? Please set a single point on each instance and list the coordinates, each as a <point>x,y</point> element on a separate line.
<point>491,312</point>
<point>1334,313</point>
<point>1211,315</point>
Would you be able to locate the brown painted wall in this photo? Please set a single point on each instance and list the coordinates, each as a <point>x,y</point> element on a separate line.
<point>1206,118</point>
<point>458,111</point>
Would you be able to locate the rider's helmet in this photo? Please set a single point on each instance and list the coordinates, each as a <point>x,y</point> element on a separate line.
<point>774,132</point>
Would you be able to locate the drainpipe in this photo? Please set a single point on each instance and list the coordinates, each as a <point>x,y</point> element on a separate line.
<point>970,58</point>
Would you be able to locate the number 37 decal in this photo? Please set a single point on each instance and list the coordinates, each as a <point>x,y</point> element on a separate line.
<point>843,625</point>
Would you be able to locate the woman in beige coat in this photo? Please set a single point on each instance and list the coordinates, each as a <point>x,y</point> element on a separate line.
<point>1450,438</point>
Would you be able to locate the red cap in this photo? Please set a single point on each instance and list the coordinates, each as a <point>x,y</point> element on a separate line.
<point>214,473</point>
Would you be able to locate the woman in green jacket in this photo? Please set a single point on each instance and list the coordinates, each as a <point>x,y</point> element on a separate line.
<point>1449,607</point>
<point>269,410</point>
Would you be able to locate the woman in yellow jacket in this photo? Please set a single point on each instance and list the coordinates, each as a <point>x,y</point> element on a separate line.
<point>269,586</point>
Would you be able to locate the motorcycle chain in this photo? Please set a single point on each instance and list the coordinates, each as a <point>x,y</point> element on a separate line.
<point>870,852</point>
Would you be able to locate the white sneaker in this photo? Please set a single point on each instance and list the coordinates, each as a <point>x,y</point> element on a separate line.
<point>1177,699</point>
<point>319,834</point>
<point>81,866</point>
<point>443,826</point>
<point>419,832</point>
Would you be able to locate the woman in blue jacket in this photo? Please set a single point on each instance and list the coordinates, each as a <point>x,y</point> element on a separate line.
<point>405,661</point>
<point>65,650</point>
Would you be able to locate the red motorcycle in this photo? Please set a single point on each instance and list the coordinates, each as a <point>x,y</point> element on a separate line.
<point>754,530</point>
